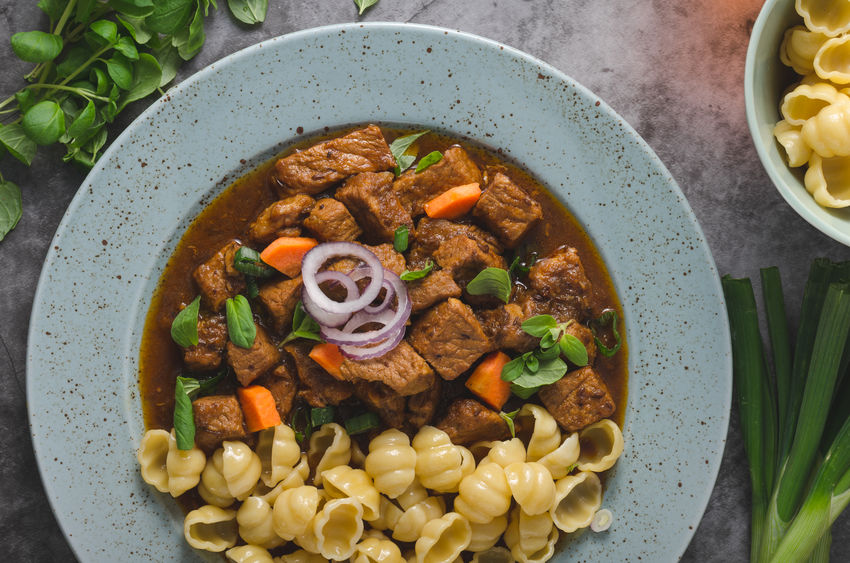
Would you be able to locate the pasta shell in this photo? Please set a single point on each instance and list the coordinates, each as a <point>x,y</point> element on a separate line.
<point>829,17</point>
<point>799,47</point>
<point>241,468</point>
<point>506,452</point>
<point>414,494</point>
<point>806,100</point>
<point>443,539</point>
<point>391,462</point>
<point>484,494</point>
<point>338,527</point>
<point>345,482</point>
<point>213,485</point>
<point>832,61</point>
<point>301,556</point>
<point>279,452</point>
<point>256,525</point>
<point>294,510</point>
<point>330,446</point>
<point>560,461</point>
<point>493,555</point>
<point>601,446</point>
<point>388,515</point>
<point>374,550</point>
<point>248,554</point>
<point>211,528</point>
<point>485,536</point>
<point>531,485</point>
<point>169,469</point>
<point>409,525</point>
<point>790,137</point>
<point>528,536</point>
<point>538,430</point>
<point>577,498</point>
<point>828,180</point>
<point>440,465</point>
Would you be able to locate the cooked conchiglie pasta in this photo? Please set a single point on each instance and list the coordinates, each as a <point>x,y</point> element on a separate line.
<point>153,452</point>
<point>485,536</point>
<point>601,446</point>
<point>375,550</point>
<point>279,452</point>
<point>413,494</point>
<point>493,555</point>
<point>166,467</point>
<point>338,527</point>
<point>294,510</point>
<point>828,180</point>
<point>300,556</point>
<point>560,460</point>
<point>409,525</point>
<point>538,430</point>
<point>357,457</point>
<point>484,494</point>
<point>528,536</point>
<point>829,17</point>
<point>346,482</point>
<point>388,515</point>
<point>505,452</point>
<point>828,133</point>
<point>440,465</point>
<point>391,462</point>
<point>241,468</point>
<point>330,446</point>
<point>256,525</point>
<point>806,100</point>
<point>799,47</point>
<point>248,554</point>
<point>577,498</point>
<point>211,528</point>
<point>213,486</point>
<point>832,61</point>
<point>531,485</point>
<point>443,539</point>
<point>790,137</point>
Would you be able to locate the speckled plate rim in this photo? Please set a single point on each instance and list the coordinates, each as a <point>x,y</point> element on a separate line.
<point>664,534</point>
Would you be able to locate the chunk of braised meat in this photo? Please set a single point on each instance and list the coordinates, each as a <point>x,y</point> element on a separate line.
<point>449,337</point>
<point>578,399</point>
<point>468,421</point>
<point>317,387</point>
<point>217,418</point>
<point>401,369</point>
<point>217,279</point>
<point>506,209</point>
<point>330,220</point>
<point>250,363</point>
<point>281,383</point>
<point>422,406</point>
<point>370,199</point>
<point>212,338</point>
<point>464,257</point>
<point>390,259</point>
<point>585,336</point>
<point>382,400</point>
<point>430,290</point>
<point>503,325</point>
<point>559,286</point>
<point>454,169</point>
<point>281,219</point>
<point>322,166</point>
<point>279,300</point>
<point>431,233</point>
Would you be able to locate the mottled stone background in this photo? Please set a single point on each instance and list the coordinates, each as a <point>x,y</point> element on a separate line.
<point>673,69</point>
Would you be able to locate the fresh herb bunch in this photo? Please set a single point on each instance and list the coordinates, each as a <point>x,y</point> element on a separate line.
<point>795,419</point>
<point>96,57</point>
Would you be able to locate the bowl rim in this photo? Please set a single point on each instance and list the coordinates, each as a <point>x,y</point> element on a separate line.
<point>811,217</point>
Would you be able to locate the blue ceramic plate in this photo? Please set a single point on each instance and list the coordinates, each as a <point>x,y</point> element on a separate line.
<point>129,214</point>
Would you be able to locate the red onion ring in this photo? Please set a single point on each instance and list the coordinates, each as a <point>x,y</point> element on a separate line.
<point>324,318</point>
<point>318,255</point>
<point>364,353</point>
<point>388,298</point>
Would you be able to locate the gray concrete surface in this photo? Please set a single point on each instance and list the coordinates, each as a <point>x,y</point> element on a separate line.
<point>673,69</point>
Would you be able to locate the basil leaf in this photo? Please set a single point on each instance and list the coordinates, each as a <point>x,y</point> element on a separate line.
<point>120,70</point>
<point>190,40</point>
<point>184,418</point>
<point>362,5</point>
<point>491,281</point>
<point>400,146</point>
<point>44,123</point>
<point>539,325</point>
<point>248,261</point>
<point>240,322</point>
<point>191,386</point>
<point>508,417</point>
<point>135,25</point>
<point>513,369</point>
<point>408,275</point>
<point>400,238</point>
<point>133,8</point>
<point>127,47</point>
<point>15,139</point>
<point>36,46</point>
<point>184,327</point>
<point>429,159</point>
<point>10,207</point>
<point>207,386</point>
<point>609,316</point>
<point>53,8</point>
<point>249,11</point>
<point>303,326</point>
<point>573,349</point>
<point>26,99</point>
<point>83,123</point>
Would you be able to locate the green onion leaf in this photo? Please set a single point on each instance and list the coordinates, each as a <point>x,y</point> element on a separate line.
<point>184,327</point>
<point>408,275</point>
<point>321,415</point>
<point>184,418</point>
<point>248,261</point>
<point>609,316</point>
<point>573,349</point>
<point>491,281</point>
<point>431,158</point>
<point>400,238</point>
<point>300,423</point>
<point>251,288</point>
<point>513,369</point>
<point>361,6</point>
<point>303,326</point>
<point>539,326</point>
<point>362,423</point>
<point>508,417</point>
<point>240,322</point>
<point>399,147</point>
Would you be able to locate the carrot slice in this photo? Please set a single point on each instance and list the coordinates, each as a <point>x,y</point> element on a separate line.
<point>329,357</point>
<point>486,381</point>
<point>259,407</point>
<point>285,254</point>
<point>454,202</point>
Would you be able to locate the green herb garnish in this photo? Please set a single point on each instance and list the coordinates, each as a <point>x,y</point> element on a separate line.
<point>363,4</point>
<point>252,290</point>
<point>409,275</point>
<point>508,417</point>
<point>400,238</point>
<point>491,281</point>
<point>184,417</point>
<point>321,415</point>
<point>362,423</point>
<point>240,322</point>
<point>248,261</point>
<point>521,266</point>
<point>608,317</point>
<point>399,147</point>
<point>249,11</point>
<point>431,158</point>
<point>184,327</point>
<point>10,207</point>
<point>300,423</point>
<point>303,326</point>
